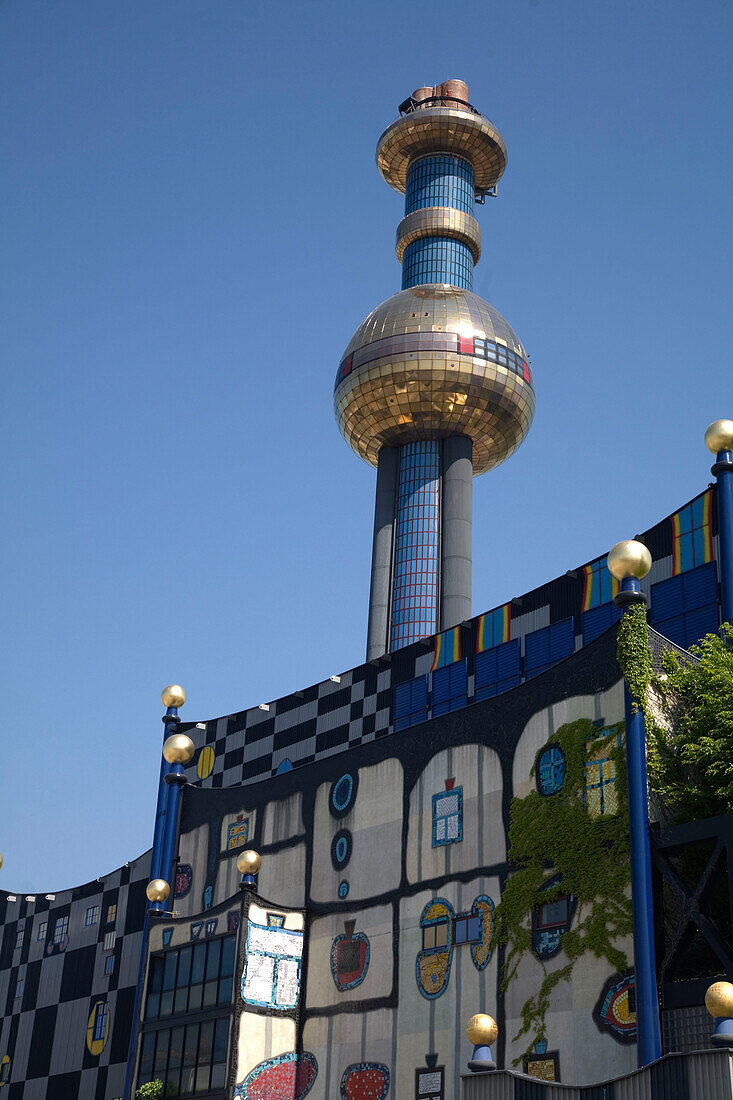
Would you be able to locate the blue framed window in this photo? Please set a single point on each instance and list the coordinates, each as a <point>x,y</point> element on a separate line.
<point>92,915</point>
<point>437,260</point>
<point>441,180</point>
<point>601,778</point>
<point>543,648</point>
<point>684,608</point>
<point>448,817</point>
<point>468,928</point>
<point>410,703</point>
<point>550,769</point>
<point>109,964</point>
<point>496,670</point>
<point>60,929</point>
<point>598,620</point>
<point>450,687</point>
<point>101,1016</point>
<point>42,929</point>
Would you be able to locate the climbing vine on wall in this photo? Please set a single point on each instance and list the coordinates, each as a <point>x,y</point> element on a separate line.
<point>553,835</point>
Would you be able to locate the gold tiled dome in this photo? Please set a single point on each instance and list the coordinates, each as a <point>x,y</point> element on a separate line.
<point>430,362</point>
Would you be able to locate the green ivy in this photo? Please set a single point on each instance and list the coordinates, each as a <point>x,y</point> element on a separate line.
<point>551,835</point>
<point>633,652</point>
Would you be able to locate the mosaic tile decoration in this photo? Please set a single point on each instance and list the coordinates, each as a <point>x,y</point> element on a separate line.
<point>271,977</point>
<point>365,1081</point>
<point>616,1008</point>
<point>290,1076</point>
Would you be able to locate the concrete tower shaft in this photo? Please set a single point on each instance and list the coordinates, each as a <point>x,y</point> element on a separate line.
<point>434,386</point>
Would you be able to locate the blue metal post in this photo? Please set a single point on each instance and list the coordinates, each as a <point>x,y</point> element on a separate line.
<point>173,781</point>
<point>170,722</point>
<point>649,1046</point>
<point>723,470</point>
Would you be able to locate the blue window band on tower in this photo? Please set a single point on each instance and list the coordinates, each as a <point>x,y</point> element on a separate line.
<point>437,260</point>
<point>417,549</point>
<point>440,181</point>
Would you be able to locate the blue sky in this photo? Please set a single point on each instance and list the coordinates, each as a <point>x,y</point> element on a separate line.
<point>193,227</point>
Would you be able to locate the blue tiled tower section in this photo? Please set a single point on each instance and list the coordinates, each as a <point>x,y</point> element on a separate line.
<point>417,546</point>
<point>439,181</point>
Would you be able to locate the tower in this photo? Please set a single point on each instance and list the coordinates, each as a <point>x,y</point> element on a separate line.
<point>434,387</point>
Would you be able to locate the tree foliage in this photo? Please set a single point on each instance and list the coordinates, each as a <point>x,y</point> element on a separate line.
<point>691,761</point>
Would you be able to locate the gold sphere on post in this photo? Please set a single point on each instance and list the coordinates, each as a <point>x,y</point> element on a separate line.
<point>482,1030</point>
<point>178,749</point>
<point>173,696</point>
<point>248,863</point>
<point>719,436</point>
<point>719,999</point>
<point>629,559</point>
<point>157,890</point>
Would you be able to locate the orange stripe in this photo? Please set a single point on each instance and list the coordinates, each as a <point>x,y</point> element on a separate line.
<point>587,586</point>
<point>676,544</point>
<point>438,646</point>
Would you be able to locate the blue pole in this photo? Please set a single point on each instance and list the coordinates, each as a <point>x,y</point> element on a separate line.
<point>170,722</point>
<point>649,1046</point>
<point>173,783</point>
<point>723,470</point>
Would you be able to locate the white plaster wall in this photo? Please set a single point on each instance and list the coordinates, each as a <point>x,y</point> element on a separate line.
<point>343,1040</point>
<point>375,822</point>
<point>376,924</point>
<point>477,770</point>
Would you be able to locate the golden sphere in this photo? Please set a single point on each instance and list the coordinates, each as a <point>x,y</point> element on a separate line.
<point>431,362</point>
<point>248,863</point>
<point>719,437</point>
<point>629,559</point>
<point>173,696</point>
<point>1,862</point>
<point>178,748</point>
<point>157,890</point>
<point>719,999</point>
<point>482,1030</point>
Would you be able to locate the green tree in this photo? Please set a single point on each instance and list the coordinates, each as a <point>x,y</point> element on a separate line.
<point>691,760</point>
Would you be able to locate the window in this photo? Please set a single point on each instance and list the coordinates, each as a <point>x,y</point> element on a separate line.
<point>468,928</point>
<point>272,971</point>
<point>450,687</point>
<point>109,964</point>
<point>543,648</point>
<point>19,938</point>
<point>448,817</point>
<point>42,929</point>
<point>109,941</point>
<point>429,1083</point>
<point>435,935</point>
<point>188,1060</point>
<point>550,768</point>
<point>111,913</point>
<point>601,791</point>
<point>99,1025</point>
<point>92,915</point>
<point>190,978</point>
<point>237,833</point>
<point>553,915</point>
<point>19,987</point>
<point>60,929</point>
<point>410,703</point>
<point>685,608</point>
<point>551,920</point>
<point>496,670</point>
<point>599,587</point>
<point>493,628</point>
<point>692,535</point>
<point>599,620</point>
<point>442,180</point>
<point>5,1069</point>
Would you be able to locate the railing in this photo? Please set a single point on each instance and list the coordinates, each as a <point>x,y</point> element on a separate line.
<point>411,104</point>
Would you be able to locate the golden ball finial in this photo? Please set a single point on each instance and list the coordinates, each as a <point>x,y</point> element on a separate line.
<point>157,890</point>
<point>482,1030</point>
<point>178,749</point>
<point>1,861</point>
<point>629,559</point>
<point>248,863</point>
<point>719,999</point>
<point>719,436</point>
<point>173,696</point>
